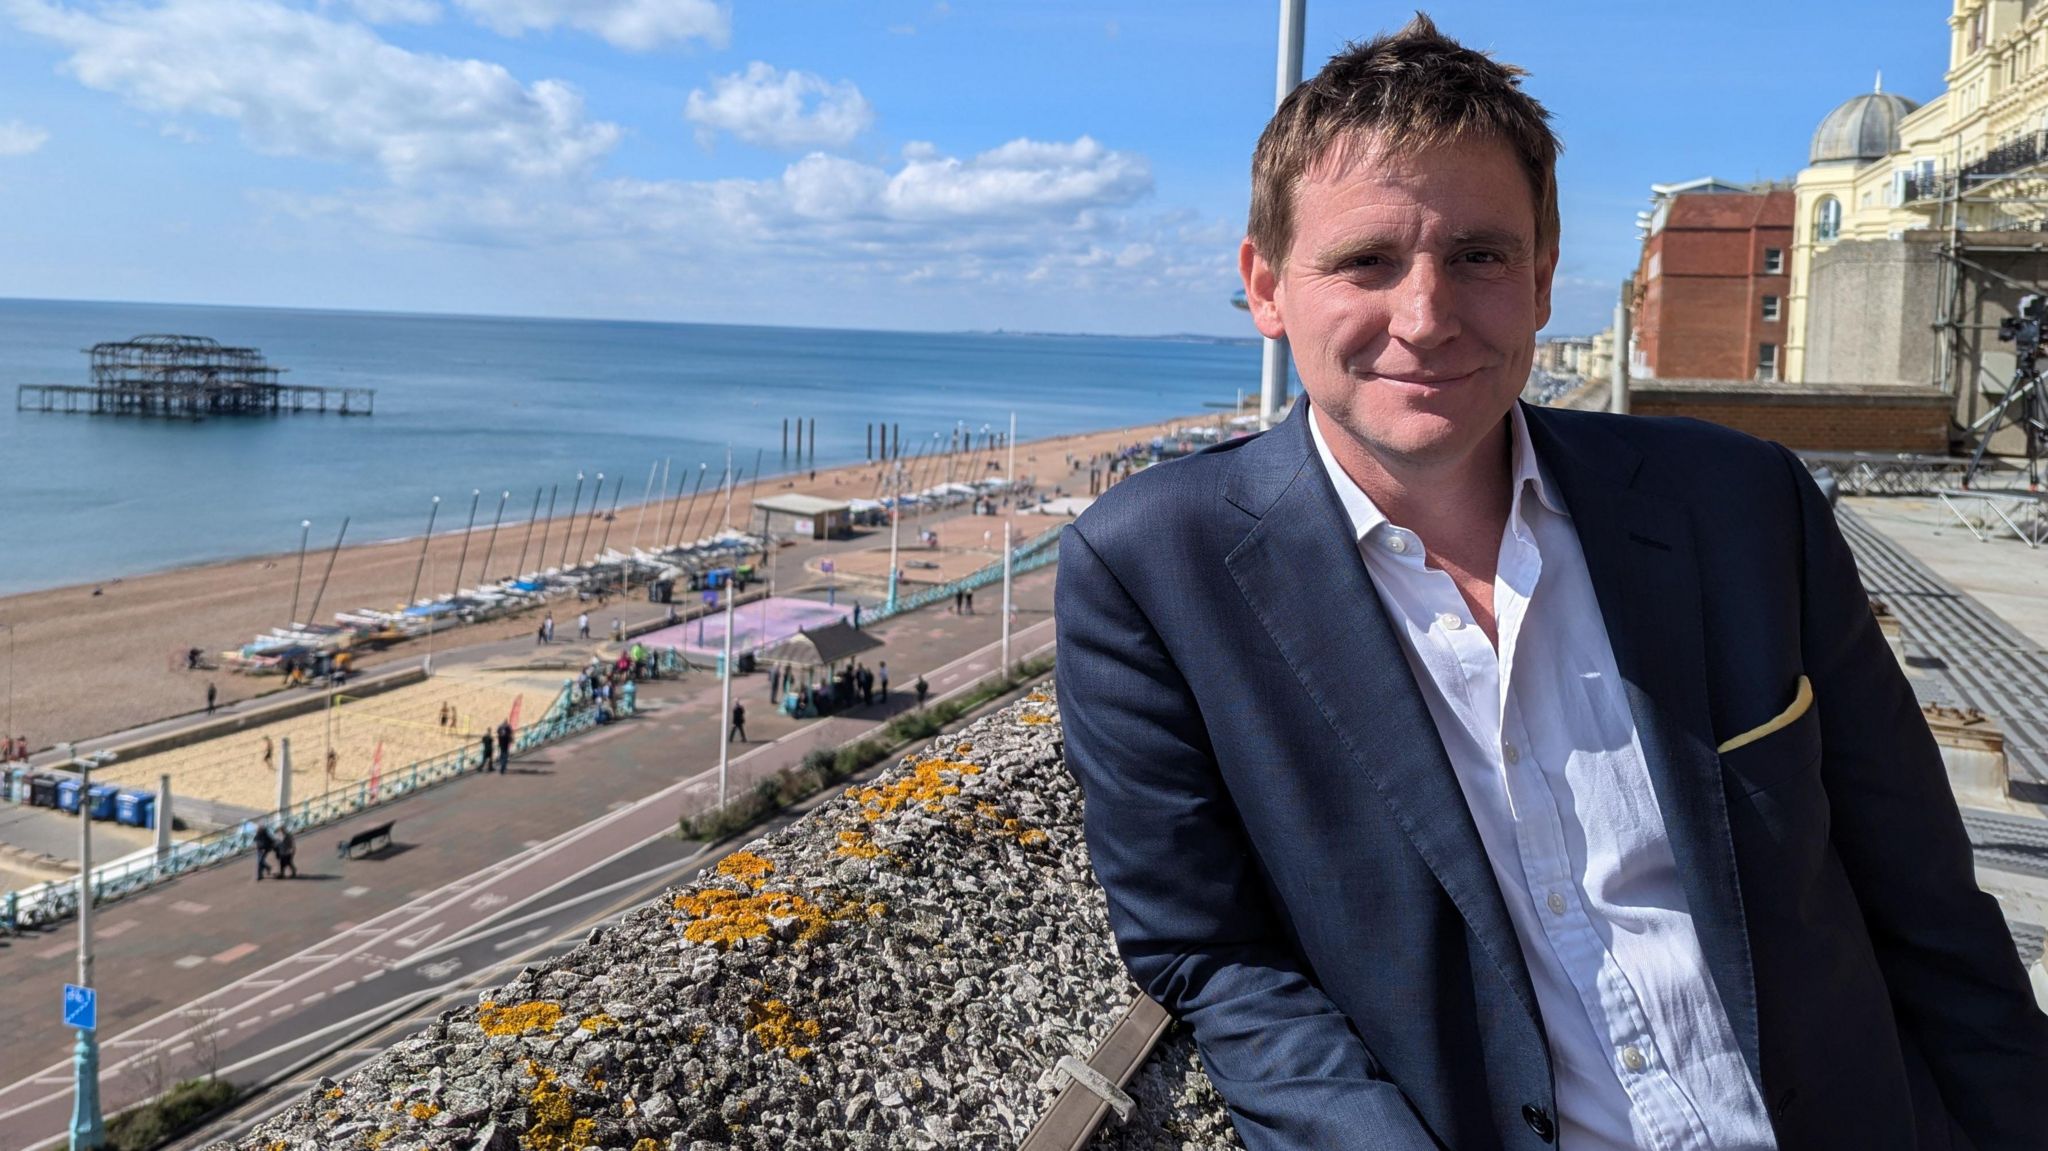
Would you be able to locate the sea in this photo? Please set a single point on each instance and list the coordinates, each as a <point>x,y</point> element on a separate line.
<point>470,404</point>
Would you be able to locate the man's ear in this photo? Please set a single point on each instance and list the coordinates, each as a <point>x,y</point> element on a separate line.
<point>1546,271</point>
<point>1261,290</point>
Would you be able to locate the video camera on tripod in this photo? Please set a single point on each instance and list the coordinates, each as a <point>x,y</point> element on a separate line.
<point>2023,329</point>
<point>2025,403</point>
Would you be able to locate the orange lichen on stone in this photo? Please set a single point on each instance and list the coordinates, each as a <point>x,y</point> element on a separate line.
<point>746,867</point>
<point>925,785</point>
<point>424,1111</point>
<point>777,1028</point>
<point>647,1145</point>
<point>1033,719</point>
<point>725,917</point>
<point>858,845</point>
<point>382,1137</point>
<point>555,1126</point>
<point>598,1022</point>
<point>962,748</point>
<point>518,1018</point>
<point>335,1093</point>
<point>1038,697</point>
<point>1009,826</point>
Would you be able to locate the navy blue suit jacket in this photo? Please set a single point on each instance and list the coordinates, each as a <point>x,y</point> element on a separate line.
<point>1292,870</point>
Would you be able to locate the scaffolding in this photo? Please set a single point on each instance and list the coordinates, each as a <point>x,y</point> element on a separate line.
<point>1990,212</point>
<point>187,378</point>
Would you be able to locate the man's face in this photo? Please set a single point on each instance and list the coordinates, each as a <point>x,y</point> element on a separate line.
<point>1411,295</point>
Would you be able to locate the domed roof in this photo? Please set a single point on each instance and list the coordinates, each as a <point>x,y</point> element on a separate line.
<point>1865,128</point>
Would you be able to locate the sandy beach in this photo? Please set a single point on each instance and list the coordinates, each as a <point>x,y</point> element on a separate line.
<point>92,659</point>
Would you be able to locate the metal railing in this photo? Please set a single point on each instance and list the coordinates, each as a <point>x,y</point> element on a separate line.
<point>571,713</point>
<point>1030,555</point>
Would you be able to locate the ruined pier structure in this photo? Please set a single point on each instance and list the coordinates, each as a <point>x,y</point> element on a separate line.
<point>187,378</point>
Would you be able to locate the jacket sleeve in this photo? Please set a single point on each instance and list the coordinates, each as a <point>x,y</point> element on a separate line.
<point>1186,903</point>
<point>1956,983</point>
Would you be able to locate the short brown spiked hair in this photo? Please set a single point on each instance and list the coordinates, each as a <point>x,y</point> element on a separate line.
<point>1412,90</point>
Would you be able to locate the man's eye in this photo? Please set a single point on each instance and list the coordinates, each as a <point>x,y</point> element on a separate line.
<point>1483,257</point>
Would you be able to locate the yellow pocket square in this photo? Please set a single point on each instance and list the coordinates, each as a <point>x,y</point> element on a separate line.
<point>1784,718</point>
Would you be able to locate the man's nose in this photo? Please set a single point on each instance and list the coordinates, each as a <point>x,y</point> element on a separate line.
<point>1424,308</point>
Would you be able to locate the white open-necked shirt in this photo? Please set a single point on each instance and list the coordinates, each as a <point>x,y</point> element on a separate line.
<point>1546,754</point>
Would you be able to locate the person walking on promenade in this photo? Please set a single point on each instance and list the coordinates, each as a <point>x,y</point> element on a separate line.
<point>504,744</point>
<point>583,625</point>
<point>882,678</point>
<point>489,750</point>
<point>1576,800</point>
<point>970,603</point>
<point>921,687</point>
<point>264,846</point>
<point>269,754</point>
<point>286,847</point>
<point>739,724</point>
<point>540,633</point>
<point>333,764</point>
<point>547,628</point>
<point>212,695</point>
<point>958,596</point>
<point>866,679</point>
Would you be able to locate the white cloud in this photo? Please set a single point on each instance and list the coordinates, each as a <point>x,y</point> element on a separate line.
<point>300,84</point>
<point>19,139</point>
<point>778,109</point>
<point>389,11</point>
<point>635,25</point>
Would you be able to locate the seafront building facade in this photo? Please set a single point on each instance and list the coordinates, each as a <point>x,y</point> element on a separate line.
<point>1710,287</point>
<point>1916,225</point>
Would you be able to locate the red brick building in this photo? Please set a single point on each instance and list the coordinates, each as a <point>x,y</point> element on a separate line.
<point>1712,287</point>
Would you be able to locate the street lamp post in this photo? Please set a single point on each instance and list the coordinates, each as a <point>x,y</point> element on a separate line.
<point>88,1127</point>
<point>10,679</point>
<point>725,690</point>
<point>1273,361</point>
<point>895,521</point>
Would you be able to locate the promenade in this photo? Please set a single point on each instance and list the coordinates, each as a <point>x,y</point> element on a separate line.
<point>217,972</point>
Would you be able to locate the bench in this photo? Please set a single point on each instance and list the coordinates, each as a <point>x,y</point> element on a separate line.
<point>369,838</point>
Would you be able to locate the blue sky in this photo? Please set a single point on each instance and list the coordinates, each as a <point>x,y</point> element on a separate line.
<point>900,164</point>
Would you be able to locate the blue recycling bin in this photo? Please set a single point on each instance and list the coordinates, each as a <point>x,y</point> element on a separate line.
<point>102,799</point>
<point>135,809</point>
<point>67,795</point>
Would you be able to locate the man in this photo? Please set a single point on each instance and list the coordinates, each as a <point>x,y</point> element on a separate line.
<point>504,744</point>
<point>882,678</point>
<point>1476,776</point>
<point>212,697</point>
<point>739,724</point>
<point>583,625</point>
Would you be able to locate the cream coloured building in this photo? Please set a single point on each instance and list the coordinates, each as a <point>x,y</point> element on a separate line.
<point>1914,222</point>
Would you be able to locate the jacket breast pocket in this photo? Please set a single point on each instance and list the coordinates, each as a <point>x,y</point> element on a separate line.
<point>1790,753</point>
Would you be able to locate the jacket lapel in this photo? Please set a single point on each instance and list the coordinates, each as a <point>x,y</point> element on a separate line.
<point>1639,552</point>
<point>1335,636</point>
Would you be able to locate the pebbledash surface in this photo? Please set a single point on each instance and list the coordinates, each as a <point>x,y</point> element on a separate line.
<point>899,969</point>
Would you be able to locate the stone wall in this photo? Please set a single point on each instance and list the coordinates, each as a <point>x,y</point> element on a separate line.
<point>897,969</point>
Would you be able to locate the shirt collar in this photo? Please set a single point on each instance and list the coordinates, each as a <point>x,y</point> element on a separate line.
<point>1527,472</point>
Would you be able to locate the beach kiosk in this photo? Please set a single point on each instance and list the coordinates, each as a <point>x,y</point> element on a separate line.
<point>810,662</point>
<point>815,517</point>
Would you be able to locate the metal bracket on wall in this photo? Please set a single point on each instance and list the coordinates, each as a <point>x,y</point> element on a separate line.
<point>1090,1091</point>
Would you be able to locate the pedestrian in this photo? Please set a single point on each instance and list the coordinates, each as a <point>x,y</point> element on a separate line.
<point>540,634</point>
<point>212,694</point>
<point>269,754</point>
<point>583,625</point>
<point>286,848</point>
<point>264,846</point>
<point>485,762</point>
<point>739,723</point>
<point>547,628</point>
<point>618,629</point>
<point>444,713</point>
<point>774,683</point>
<point>856,615</point>
<point>867,687</point>
<point>922,688</point>
<point>958,597</point>
<point>970,603</point>
<point>504,744</point>
<point>882,677</point>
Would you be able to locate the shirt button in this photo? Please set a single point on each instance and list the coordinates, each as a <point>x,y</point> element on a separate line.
<point>1632,1059</point>
<point>1449,621</point>
<point>1396,544</point>
<point>1555,903</point>
<point>1508,752</point>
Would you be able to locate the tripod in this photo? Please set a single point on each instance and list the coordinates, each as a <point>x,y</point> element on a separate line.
<point>2025,405</point>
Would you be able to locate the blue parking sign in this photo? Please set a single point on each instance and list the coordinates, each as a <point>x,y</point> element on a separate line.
<point>81,1007</point>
